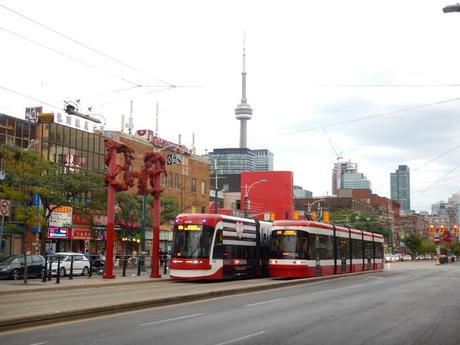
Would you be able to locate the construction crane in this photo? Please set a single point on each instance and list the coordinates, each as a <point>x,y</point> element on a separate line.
<point>338,156</point>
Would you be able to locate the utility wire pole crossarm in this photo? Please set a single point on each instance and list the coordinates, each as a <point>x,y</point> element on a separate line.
<point>247,189</point>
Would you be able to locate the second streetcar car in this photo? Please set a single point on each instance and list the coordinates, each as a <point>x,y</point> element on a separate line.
<point>301,248</point>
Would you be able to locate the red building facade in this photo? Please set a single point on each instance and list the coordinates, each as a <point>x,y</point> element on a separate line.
<point>268,192</point>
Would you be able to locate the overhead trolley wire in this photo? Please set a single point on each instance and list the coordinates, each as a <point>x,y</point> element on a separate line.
<point>88,47</point>
<point>30,97</point>
<point>70,57</point>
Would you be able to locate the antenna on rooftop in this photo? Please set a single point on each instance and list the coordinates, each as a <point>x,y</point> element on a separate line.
<point>130,120</point>
<point>156,122</point>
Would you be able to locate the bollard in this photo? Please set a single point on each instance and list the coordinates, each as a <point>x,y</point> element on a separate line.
<point>58,272</point>
<point>124,266</point>
<point>71,268</point>
<point>49,269</point>
<point>166,265</point>
<point>90,273</point>
<point>45,272</point>
<point>139,265</point>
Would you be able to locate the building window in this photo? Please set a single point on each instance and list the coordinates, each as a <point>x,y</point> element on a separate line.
<point>203,187</point>
<point>177,181</point>
<point>193,184</point>
<point>170,180</point>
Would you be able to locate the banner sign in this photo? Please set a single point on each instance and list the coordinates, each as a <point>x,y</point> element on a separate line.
<point>61,217</point>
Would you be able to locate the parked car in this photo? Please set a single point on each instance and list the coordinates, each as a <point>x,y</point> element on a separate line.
<point>13,266</point>
<point>387,257</point>
<point>80,264</point>
<point>420,257</point>
<point>407,257</point>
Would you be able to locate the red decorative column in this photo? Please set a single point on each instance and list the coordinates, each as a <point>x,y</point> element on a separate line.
<point>150,174</point>
<point>156,231</point>
<point>108,267</point>
<point>114,185</point>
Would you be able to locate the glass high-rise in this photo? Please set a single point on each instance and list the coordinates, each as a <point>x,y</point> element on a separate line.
<point>400,187</point>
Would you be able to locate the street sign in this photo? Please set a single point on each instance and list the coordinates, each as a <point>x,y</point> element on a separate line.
<point>173,159</point>
<point>5,208</point>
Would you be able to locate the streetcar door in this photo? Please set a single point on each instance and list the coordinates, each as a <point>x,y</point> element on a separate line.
<point>318,261</point>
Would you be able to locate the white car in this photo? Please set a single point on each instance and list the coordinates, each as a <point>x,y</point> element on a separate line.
<point>80,264</point>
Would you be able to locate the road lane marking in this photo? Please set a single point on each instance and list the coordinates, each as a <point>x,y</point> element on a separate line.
<point>264,302</point>
<point>40,343</point>
<point>241,338</point>
<point>173,319</point>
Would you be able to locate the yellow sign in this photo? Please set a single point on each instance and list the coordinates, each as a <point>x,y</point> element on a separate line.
<point>190,227</point>
<point>46,118</point>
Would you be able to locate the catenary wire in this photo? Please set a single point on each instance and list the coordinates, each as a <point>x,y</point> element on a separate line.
<point>30,97</point>
<point>358,119</point>
<point>70,57</point>
<point>87,46</point>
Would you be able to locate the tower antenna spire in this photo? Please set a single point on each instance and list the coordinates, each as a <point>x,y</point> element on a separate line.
<point>243,111</point>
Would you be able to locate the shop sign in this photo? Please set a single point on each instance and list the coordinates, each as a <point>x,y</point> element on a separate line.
<point>59,233</point>
<point>32,113</point>
<point>81,234</point>
<point>61,217</point>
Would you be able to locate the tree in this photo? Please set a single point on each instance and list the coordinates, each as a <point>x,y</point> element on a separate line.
<point>426,246</point>
<point>363,221</point>
<point>25,173</point>
<point>28,174</point>
<point>455,248</point>
<point>412,241</point>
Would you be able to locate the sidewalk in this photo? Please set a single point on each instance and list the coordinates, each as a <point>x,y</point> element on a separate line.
<point>36,285</point>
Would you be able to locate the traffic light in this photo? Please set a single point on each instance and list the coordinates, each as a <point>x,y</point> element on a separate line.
<point>314,215</point>
<point>326,217</point>
<point>432,229</point>
<point>441,230</point>
<point>456,229</point>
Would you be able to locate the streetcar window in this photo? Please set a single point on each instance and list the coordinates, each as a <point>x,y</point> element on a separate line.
<point>289,244</point>
<point>325,247</point>
<point>368,252</point>
<point>192,241</point>
<point>343,250</point>
<point>357,249</point>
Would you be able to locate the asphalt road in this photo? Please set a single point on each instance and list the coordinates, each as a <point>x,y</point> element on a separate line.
<point>405,304</point>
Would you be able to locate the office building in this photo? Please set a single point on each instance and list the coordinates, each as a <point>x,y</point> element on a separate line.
<point>400,187</point>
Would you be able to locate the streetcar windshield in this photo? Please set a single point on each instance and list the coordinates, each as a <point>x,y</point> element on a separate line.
<point>289,244</point>
<point>192,241</point>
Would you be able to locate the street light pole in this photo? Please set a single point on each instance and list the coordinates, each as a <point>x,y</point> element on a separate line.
<point>215,187</point>
<point>247,189</point>
<point>451,8</point>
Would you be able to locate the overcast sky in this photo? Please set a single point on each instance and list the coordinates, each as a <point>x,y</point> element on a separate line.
<point>381,77</point>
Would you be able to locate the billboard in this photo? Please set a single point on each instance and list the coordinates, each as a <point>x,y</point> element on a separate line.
<point>32,113</point>
<point>61,217</point>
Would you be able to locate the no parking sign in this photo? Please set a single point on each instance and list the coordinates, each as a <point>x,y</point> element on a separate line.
<point>5,208</point>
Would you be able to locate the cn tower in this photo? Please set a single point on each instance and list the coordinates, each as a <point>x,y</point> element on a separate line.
<point>243,111</point>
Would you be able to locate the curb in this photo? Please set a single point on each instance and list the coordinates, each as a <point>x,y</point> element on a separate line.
<point>50,318</point>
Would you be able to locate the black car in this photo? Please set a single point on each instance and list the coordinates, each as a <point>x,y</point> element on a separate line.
<point>13,266</point>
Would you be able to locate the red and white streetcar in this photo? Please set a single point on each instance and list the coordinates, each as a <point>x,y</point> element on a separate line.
<point>215,246</point>
<point>302,248</point>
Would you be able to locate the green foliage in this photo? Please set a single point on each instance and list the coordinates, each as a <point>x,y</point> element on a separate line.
<point>169,208</point>
<point>129,210</point>
<point>455,247</point>
<point>426,246</point>
<point>362,221</point>
<point>412,241</point>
